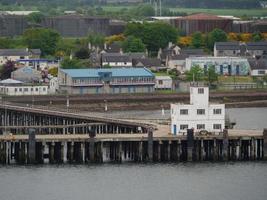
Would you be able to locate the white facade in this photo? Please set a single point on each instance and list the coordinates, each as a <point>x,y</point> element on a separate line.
<point>199,114</point>
<point>163,83</point>
<point>258,72</point>
<point>53,85</point>
<point>19,90</point>
<point>4,59</point>
<point>117,64</point>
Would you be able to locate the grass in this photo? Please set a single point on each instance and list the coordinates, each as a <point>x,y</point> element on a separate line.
<point>237,79</point>
<point>256,12</point>
<point>236,12</point>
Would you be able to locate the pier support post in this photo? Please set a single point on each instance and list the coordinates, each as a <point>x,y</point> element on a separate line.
<point>92,145</point>
<point>225,145</point>
<point>190,144</point>
<point>32,144</point>
<point>52,152</point>
<point>150,146</point>
<point>265,144</point>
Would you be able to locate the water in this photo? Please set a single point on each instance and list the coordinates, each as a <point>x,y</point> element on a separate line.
<point>184,181</point>
<point>207,181</point>
<point>246,118</point>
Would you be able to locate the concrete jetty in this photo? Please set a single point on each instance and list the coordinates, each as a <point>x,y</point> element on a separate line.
<point>231,145</point>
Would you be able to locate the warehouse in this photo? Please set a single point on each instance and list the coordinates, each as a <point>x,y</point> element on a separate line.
<point>106,81</point>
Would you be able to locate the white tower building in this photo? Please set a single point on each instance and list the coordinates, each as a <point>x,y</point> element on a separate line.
<point>199,114</point>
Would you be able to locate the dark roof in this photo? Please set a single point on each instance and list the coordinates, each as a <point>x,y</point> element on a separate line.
<point>203,16</point>
<point>136,55</point>
<point>193,52</point>
<point>113,48</point>
<point>148,62</point>
<point>14,52</point>
<point>36,51</point>
<point>257,46</point>
<point>115,57</point>
<point>227,45</point>
<point>19,52</point>
<point>258,63</point>
<point>179,57</point>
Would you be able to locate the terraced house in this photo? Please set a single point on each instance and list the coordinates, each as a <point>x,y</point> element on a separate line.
<point>105,81</point>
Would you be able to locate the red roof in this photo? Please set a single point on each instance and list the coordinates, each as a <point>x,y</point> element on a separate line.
<point>203,16</point>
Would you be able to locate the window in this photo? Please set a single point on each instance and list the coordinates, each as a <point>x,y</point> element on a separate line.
<point>261,72</point>
<point>44,89</point>
<point>20,89</point>
<point>160,82</point>
<point>183,126</point>
<point>201,111</point>
<point>31,89</point>
<point>183,112</point>
<point>217,126</point>
<point>16,89</point>
<point>217,111</point>
<point>36,89</point>
<point>200,90</point>
<point>25,89</point>
<point>200,126</point>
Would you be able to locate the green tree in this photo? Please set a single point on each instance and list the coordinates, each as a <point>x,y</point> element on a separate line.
<point>153,35</point>
<point>82,53</point>
<point>35,17</point>
<point>197,40</point>
<point>74,63</point>
<point>42,38</point>
<point>196,73</point>
<point>96,39</point>
<point>145,10</point>
<point>133,44</point>
<point>211,76</point>
<point>256,37</point>
<point>217,35</point>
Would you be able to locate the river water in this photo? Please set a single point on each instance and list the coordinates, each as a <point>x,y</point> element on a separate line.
<point>130,181</point>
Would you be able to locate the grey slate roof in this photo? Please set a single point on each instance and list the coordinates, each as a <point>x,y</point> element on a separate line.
<point>193,52</point>
<point>257,46</point>
<point>148,62</point>
<point>227,45</point>
<point>258,63</point>
<point>14,52</point>
<point>19,52</point>
<point>115,57</point>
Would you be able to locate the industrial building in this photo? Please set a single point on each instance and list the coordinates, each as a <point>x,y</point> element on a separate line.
<point>203,22</point>
<point>199,114</point>
<point>222,65</point>
<point>105,81</point>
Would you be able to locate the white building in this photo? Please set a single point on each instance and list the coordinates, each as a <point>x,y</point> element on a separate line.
<point>199,114</point>
<point>222,65</point>
<point>53,85</point>
<point>17,88</point>
<point>16,54</point>
<point>163,83</point>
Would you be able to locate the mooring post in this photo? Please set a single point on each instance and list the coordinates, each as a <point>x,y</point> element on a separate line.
<point>190,144</point>
<point>32,145</point>
<point>92,135</point>
<point>150,145</point>
<point>265,144</point>
<point>225,144</point>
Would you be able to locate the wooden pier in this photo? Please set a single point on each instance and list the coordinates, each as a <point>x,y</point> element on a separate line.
<point>232,145</point>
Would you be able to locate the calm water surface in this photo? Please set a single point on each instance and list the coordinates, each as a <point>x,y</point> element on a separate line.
<point>189,181</point>
<point>207,181</point>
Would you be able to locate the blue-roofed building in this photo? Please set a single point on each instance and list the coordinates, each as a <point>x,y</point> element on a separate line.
<point>106,81</point>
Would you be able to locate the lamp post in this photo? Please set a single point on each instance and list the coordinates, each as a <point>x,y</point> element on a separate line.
<point>68,103</point>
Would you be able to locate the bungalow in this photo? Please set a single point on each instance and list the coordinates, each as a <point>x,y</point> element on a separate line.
<point>258,67</point>
<point>227,49</point>
<point>163,83</point>
<point>13,87</point>
<point>151,63</point>
<point>116,60</point>
<point>16,54</point>
<point>117,80</point>
<point>38,64</point>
